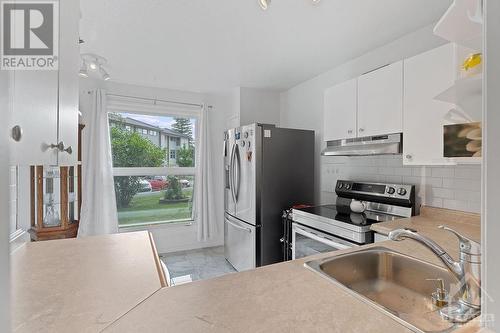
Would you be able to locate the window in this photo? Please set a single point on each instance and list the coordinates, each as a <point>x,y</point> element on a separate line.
<point>151,186</point>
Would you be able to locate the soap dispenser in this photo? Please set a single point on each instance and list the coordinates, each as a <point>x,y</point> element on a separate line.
<point>440,296</point>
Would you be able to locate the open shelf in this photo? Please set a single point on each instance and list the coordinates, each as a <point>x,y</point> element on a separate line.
<point>463,91</point>
<point>465,160</point>
<point>462,23</point>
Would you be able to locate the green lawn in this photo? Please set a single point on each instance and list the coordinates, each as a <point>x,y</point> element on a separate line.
<point>145,208</point>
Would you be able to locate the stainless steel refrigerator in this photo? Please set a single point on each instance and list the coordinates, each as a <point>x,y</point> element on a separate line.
<point>267,169</point>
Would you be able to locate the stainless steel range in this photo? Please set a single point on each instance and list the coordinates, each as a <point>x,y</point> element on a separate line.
<point>347,223</point>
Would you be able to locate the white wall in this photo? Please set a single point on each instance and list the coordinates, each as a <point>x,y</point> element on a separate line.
<point>178,237</point>
<point>4,203</point>
<point>13,199</point>
<point>259,106</point>
<point>302,107</point>
<point>249,105</point>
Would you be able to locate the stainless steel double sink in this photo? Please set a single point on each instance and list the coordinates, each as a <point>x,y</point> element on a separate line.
<point>392,282</point>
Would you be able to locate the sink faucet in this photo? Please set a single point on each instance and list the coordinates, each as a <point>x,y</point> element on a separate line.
<point>467,271</point>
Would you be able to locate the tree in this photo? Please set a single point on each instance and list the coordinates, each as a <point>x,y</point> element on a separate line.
<point>185,157</point>
<point>174,191</point>
<point>184,126</point>
<point>129,149</point>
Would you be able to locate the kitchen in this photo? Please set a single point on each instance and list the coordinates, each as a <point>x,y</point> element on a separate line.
<point>338,170</point>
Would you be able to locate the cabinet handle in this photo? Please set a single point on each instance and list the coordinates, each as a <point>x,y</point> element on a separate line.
<point>361,129</point>
<point>16,133</point>
<point>349,131</point>
<point>409,157</point>
<point>60,146</point>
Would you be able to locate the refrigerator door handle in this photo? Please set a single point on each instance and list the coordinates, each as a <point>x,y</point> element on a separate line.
<point>238,173</point>
<point>238,226</point>
<point>231,172</point>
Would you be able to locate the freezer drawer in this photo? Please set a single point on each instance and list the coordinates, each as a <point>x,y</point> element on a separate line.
<point>239,243</point>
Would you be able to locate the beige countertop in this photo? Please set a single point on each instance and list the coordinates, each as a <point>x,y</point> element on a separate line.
<point>285,297</point>
<point>430,219</point>
<point>76,285</point>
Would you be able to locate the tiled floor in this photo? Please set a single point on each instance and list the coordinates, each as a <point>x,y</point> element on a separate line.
<point>197,264</point>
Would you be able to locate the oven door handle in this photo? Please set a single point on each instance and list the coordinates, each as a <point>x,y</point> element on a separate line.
<point>325,238</point>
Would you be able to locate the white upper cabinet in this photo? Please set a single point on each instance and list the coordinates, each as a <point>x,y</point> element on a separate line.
<point>426,75</point>
<point>44,103</point>
<point>340,107</point>
<point>69,66</point>
<point>380,101</point>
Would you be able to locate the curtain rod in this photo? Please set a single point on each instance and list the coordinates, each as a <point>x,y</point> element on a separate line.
<point>160,100</point>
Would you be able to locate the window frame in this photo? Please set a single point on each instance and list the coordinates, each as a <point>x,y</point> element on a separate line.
<point>161,111</point>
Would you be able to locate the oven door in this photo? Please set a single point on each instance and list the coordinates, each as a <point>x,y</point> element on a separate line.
<point>307,241</point>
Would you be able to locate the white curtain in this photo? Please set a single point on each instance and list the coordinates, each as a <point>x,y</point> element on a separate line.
<point>98,214</point>
<point>205,218</point>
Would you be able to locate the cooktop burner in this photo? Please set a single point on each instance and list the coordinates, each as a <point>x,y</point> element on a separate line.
<point>360,219</point>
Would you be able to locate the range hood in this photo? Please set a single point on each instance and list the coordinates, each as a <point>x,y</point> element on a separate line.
<point>390,144</point>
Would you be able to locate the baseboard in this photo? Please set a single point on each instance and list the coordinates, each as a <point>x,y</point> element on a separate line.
<point>191,246</point>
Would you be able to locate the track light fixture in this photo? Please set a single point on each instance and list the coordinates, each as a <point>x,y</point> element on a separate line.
<point>94,64</point>
<point>264,4</point>
<point>83,70</point>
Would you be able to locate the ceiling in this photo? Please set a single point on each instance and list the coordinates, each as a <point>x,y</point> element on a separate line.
<point>214,45</point>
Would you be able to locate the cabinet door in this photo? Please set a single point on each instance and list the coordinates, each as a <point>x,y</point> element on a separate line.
<point>426,75</point>
<point>69,65</point>
<point>340,104</point>
<point>34,109</point>
<point>380,101</point>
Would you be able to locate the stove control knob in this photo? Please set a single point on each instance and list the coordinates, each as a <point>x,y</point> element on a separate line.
<point>401,191</point>
<point>347,186</point>
<point>391,190</point>
<point>246,135</point>
<point>340,185</point>
<point>242,143</point>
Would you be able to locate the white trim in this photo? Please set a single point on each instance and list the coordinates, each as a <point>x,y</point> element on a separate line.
<point>490,226</point>
<point>153,225</point>
<point>18,238</point>
<point>152,110</point>
<point>161,171</point>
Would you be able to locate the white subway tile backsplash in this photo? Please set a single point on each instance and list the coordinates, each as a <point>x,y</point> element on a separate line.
<point>394,179</point>
<point>468,173</point>
<point>455,204</point>
<point>462,184</point>
<point>434,182</point>
<point>470,196</point>
<point>474,207</point>
<point>453,187</point>
<point>443,193</point>
<point>443,172</point>
<point>435,202</point>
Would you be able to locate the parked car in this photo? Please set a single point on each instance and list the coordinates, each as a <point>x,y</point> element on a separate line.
<point>158,183</point>
<point>145,186</point>
<point>185,183</point>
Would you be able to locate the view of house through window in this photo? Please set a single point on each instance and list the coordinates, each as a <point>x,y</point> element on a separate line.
<point>154,167</point>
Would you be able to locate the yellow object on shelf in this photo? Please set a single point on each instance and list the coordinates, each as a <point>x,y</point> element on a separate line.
<point>472,61</point>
